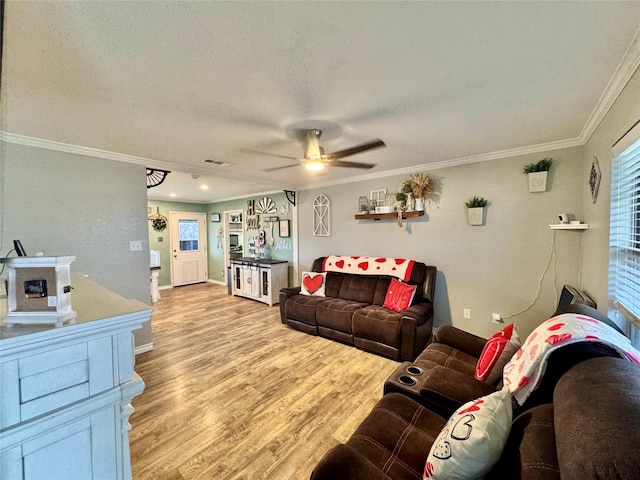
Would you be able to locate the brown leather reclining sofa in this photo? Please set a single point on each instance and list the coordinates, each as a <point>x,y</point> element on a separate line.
<point>352,312</point>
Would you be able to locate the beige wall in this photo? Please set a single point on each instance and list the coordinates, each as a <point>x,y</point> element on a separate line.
<point>622,115</point>
<point>66,204</point>
<point>490,268</point>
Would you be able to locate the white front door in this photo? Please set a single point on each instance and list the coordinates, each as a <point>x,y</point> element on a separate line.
<point>188,247</point>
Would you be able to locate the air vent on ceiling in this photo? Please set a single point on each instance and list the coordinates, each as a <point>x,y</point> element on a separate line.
<point>220,163</point>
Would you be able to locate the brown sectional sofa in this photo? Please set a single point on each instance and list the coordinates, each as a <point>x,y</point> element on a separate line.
<point>352,312</point>
<point>580,424</point>
<point>589,431</point>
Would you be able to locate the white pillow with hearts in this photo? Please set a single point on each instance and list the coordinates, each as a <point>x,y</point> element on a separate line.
<point>313,284</point>
<point>472,440</point>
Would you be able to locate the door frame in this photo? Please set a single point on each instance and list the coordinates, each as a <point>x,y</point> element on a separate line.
<point>173,240</point>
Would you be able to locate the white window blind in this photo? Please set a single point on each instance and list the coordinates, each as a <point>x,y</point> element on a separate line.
<point>624,238</point>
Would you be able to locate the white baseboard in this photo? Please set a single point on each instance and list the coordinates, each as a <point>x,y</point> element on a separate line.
<point>165,287</point>
<point>143,348</point>
<point>217,282</point>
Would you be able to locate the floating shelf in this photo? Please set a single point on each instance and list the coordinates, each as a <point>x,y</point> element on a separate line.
<point>390,216</point>
<point>569,226</point>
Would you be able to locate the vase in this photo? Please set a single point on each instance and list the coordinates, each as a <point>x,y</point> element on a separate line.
<point>410,202</point>
<point>419,204</point>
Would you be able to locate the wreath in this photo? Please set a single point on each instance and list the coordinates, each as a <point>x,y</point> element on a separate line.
<point>159,224</point>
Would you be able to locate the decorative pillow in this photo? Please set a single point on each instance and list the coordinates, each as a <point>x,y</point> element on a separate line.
<point>399,295</point>
<point>313,284</point>
<point>496,353</point>
<point>472,441</point>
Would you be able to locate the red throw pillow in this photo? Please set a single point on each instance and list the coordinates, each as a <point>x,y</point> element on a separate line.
<point>399,295</point>
<point>496,353</point>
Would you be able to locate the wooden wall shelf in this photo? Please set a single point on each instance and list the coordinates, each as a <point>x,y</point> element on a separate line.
<point>389,216</point>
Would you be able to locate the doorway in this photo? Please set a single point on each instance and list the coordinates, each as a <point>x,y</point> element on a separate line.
<point>188,248</point>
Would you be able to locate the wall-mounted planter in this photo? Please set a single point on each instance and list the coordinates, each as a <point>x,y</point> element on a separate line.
<point>537,181</point>
<point>475,215</point>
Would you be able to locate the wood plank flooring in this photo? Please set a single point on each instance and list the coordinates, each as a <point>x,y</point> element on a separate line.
<point>231,393</point>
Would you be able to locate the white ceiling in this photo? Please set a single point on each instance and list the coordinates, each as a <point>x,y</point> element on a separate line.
<point>170,84</point>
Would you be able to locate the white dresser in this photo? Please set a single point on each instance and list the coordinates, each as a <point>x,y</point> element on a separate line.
<point>260,279</point>
<point>65,392</point>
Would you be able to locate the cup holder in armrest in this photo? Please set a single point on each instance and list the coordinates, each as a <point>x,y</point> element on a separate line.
<point>414,370</point>
<point>407,380</point>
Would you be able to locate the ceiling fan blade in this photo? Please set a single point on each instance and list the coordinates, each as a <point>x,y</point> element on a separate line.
<point>340,163</point>
<point>280,168</point>
<point>257,152</point>
<point>377,143</point>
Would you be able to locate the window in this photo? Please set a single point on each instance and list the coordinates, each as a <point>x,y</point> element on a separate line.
<point>624,235</point>
<point>188,232</point>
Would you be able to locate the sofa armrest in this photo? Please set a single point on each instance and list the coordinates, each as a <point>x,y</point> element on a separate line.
<point>446,389</point>
<point>460,340</point>
<point>284,294</point>
<point>344,463</point>
<point>421,313</point>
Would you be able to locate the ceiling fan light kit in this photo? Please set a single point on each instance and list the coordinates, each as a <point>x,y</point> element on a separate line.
<point>314,156</point>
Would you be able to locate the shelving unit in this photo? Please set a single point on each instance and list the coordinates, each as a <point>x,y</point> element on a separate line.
<point>569,226</point>
<point>390,216</point>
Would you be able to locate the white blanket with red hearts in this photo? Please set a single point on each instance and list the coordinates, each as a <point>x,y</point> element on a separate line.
<point>396,267</point>
<point>524,372</point>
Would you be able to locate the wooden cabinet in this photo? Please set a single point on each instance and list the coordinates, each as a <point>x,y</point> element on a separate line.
<point>66,391</point>
<point>259,279</point>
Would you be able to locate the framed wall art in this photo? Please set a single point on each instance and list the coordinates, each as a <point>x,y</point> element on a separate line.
<point>284,229</point>
<point>215,217</point>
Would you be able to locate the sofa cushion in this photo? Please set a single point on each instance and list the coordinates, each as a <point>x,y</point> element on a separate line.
<point>303,308</point>
<point>399,295</point>
<point>597,406</point>
<point>396,436</point>
<point>336,313</point>
<point>378,324</point>
<point>449,357</point>
<point>530,453</point>
<point>313,284</point>
<point>496,353</point>
<point>369,290</point>
<point>472,440</point>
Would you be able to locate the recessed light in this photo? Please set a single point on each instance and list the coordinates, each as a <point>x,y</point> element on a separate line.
<point>173,195</point>
<point>204,187</point>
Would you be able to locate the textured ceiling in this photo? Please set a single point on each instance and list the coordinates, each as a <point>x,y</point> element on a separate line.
<point>179,82</point>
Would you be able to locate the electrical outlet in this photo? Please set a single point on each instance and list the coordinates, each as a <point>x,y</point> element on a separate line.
<point>496,318</point>
<point>135,246</point>
<point>466,313</point>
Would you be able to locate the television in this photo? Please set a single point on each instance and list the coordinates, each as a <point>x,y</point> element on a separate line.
<point>233,241</point>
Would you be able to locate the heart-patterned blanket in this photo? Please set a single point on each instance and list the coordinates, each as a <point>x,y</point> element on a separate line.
<point>524,372</point>
<point>396,267</point>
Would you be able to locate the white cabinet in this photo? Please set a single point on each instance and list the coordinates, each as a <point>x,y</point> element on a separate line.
<point>66,391</point>
<point>259,279</point>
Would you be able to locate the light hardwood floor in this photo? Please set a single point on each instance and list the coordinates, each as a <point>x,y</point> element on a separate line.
<point>231,393</point>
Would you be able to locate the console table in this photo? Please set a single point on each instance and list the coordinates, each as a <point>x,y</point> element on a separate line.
<point>66,391</point>
<point>259,279</point>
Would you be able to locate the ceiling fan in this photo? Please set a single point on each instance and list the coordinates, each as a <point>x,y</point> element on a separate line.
<point>314,156</point>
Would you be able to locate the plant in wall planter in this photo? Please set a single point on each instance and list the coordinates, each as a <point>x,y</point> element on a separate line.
<point>537,173</point>
<point>475,210</point>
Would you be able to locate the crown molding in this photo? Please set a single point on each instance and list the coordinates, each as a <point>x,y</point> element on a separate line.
<point>121,157</point>
<point>626,68</point>
<point>485,157</point>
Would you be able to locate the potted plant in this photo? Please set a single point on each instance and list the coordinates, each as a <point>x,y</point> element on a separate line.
<point>421,187</point>
<point>537,173</point>
<point>401,198</point>
<point>475,210</point>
